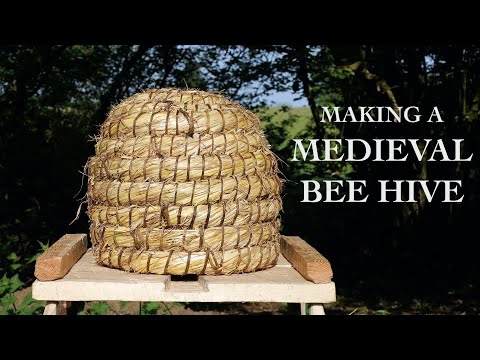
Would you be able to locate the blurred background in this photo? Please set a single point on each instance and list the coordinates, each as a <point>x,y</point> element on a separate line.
<point>395,258</point>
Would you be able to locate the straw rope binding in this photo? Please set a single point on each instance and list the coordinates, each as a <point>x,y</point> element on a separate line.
<point>183,182</point>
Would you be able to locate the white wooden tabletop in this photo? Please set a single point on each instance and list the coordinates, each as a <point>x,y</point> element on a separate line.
<point>87,281</point>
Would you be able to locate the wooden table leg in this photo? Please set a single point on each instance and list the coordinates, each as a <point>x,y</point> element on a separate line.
<point>303,309</point>
<point>56,308</point>
<point>317,309</point>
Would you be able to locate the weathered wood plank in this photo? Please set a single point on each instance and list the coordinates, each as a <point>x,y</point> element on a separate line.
<point>60,257</point>
<point>306,260</point>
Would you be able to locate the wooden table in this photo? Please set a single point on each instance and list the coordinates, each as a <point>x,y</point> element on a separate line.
<point>87,281</point>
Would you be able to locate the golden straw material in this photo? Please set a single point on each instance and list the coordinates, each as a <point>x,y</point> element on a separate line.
<point>173,120</point>
<point>112,192</point>
<point>182,168</point>
<point>151,97</point>
<point>188,216</point>
<point>183,182</point>
<point>146,146</point>
<point>211,238</point>
<point>240,260</point>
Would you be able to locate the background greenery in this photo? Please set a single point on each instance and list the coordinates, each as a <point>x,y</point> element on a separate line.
<point>385,256</point>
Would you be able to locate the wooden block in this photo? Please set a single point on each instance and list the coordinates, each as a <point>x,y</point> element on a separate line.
<point>56,262</point>
<point>306,260</point>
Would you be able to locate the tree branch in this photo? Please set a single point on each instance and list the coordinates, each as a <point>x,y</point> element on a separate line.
<point>354,67</point>
<point>107,98</point>
<point>475,108</point>
<point>48,62</point>
<point>381,83</point>
<point>167,64</point>
<point>383,87</point>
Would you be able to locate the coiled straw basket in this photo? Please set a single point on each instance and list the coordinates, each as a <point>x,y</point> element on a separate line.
<point>183,182</point>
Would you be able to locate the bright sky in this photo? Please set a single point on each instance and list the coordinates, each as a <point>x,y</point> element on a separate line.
<point>286,98</point>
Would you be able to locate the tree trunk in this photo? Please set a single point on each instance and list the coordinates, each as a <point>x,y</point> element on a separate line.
<point>303,76</point>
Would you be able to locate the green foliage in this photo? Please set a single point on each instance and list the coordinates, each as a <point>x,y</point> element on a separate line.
<point>8,286</point>
<point>43,248</point>
<point>103,308</point>
<point>152,308</point>
<point>96,308</point>
<point>100,308</point>
<point>149,308</point>
<point>382,312</point>
<point>17,264</point>
<point>340,73</point>
<point>123,304</point>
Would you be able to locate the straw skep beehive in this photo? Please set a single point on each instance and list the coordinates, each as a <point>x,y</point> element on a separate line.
<point>183,182</point>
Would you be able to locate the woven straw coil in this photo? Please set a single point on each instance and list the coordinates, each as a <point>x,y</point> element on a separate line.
<point>183,182</point>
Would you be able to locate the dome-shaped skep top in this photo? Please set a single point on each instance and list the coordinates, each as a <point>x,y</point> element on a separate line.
<point>183,182</point>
